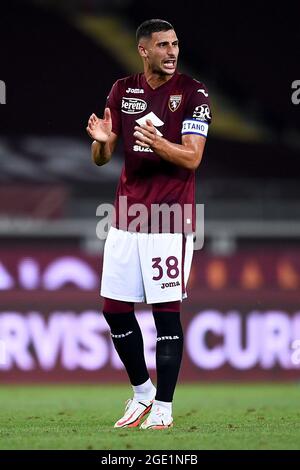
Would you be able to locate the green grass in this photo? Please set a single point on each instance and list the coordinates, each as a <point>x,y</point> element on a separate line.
<point>217,416</point>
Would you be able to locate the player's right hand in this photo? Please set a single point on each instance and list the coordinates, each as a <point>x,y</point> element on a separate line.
<point>100,129</point>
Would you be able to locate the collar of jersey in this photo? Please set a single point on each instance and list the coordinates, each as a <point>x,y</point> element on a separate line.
<point>160,87</point>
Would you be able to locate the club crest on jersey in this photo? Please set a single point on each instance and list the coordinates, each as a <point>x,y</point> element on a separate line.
<point>174,102</point>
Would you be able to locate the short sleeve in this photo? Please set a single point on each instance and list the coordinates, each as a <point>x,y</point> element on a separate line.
<point>113,103</point>
<point>197,115</point>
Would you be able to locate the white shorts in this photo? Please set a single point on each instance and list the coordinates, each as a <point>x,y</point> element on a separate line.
<point>146,267</point>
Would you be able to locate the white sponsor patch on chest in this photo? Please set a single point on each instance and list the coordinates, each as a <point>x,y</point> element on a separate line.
<point>153,118</point>
<point>133,105</point>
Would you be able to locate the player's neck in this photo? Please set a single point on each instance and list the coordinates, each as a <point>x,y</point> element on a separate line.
<point>155,80</point>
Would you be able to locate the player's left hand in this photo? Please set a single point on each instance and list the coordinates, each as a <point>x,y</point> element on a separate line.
<point>146,134</point>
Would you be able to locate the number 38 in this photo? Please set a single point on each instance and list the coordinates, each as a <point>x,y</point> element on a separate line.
<point>171,265</point>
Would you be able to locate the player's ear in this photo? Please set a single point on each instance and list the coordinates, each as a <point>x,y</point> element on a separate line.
<point>142,51</point>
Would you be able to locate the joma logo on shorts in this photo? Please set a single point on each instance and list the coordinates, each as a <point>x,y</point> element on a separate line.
<point>170,284</point>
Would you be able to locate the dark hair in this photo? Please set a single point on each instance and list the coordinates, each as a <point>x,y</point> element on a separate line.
<point>148,27</point>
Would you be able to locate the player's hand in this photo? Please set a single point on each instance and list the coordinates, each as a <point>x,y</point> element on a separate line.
<point>146,134</point>
<point>100,129</point>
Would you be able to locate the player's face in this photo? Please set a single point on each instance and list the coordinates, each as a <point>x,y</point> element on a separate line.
<point>161,52</point>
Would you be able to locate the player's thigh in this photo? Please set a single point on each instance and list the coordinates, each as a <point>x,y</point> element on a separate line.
<point>121,274</point>
<point>161,258</point>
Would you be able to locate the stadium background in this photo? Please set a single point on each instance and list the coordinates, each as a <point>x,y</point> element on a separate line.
<point>58,62</point>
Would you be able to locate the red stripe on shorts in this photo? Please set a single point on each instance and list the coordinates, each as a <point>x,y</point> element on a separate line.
<point>182,263</point>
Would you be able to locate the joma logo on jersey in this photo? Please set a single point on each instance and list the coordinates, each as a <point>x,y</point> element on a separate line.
<point>201,90</point>
<point>174,102</point>
<point>170,284</point>
<point>134,90</point>
<point>133,105</point>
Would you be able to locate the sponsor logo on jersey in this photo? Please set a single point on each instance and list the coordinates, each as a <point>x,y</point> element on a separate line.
<point>202,113</point>
<point>170,284</point>
<point>133,105</point>
<point>140,148</point>
<point>135,90</point>
<point>201,90</point>
<point>154,119</point>
<point>194,127</point>
<point>174,102</point>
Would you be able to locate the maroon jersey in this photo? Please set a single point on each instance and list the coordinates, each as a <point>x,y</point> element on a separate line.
<point>179,106</point>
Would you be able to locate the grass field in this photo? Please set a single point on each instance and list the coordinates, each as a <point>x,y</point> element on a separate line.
<point>206,417</point>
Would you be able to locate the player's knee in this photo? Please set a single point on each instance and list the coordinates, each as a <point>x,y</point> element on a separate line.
<point>121,323</point>
<point>167,306</point>
<point>119,315</point>
<point>111,306</point>
<point>168,324</point>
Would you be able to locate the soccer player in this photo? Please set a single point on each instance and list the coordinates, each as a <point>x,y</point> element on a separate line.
<point>163,117</point>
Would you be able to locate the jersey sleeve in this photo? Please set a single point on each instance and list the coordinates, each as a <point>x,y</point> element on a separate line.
<point>113,103</point>
<point>197,116</point>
